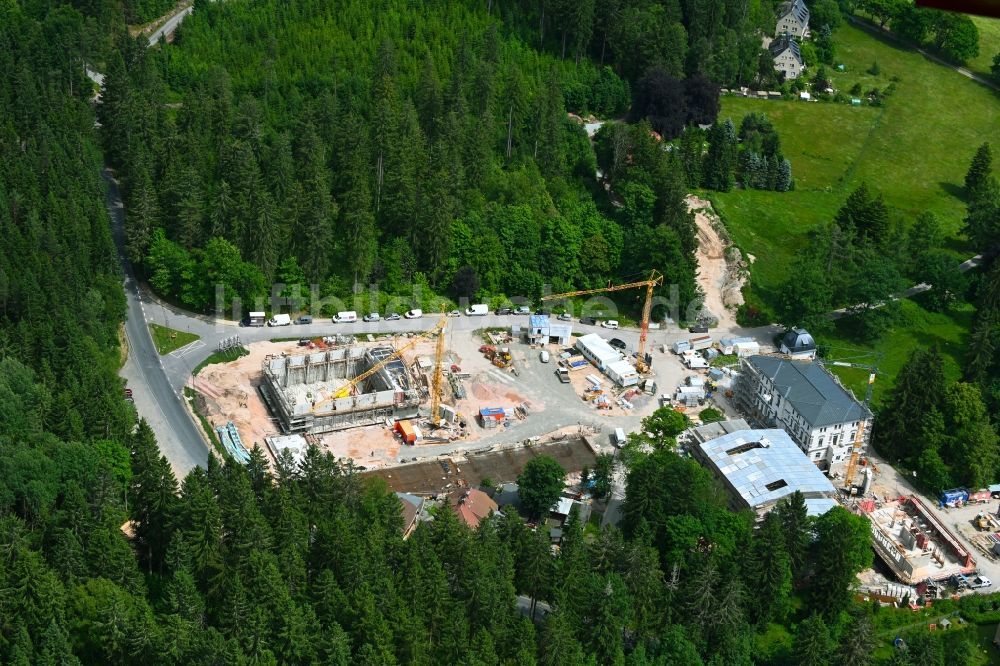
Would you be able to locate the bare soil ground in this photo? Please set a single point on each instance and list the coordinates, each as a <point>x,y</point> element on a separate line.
<point>230,392</point>
<point>720,279</point>
<point>502,466</point>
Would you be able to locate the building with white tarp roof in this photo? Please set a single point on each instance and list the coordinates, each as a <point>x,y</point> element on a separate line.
<point>760,467</point>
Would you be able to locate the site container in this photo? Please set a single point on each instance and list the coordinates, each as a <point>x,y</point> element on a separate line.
<point>405,428</point>
<point>700,342</point>
<point>954,497</point>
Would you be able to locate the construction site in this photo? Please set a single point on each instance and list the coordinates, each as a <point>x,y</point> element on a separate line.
<point>317,392</point>
<point>913,543</point>
<point>573,451</point>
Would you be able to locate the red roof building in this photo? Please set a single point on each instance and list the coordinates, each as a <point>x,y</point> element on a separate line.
<point>471,505</point>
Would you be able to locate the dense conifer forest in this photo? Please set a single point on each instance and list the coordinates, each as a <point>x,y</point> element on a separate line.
<point>365,142</point>
<point>346,145</point>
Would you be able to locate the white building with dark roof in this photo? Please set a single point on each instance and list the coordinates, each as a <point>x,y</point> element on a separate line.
<point>761,467</point>
<point>798,344</point>
<point>787,57</point>
<point>807,401</point>
<point>793,19</point>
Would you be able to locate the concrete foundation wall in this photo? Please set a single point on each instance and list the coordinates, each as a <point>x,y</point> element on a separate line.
<point>380,397</point>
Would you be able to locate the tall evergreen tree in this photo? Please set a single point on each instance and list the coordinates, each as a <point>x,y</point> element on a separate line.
<point>980,170</point>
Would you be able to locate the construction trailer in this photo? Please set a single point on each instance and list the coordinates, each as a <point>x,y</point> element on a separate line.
<point>492,417</point>
<point>597,350</point>
<point>407,431</point>
<point>303,391</point>
<point>622,373</point>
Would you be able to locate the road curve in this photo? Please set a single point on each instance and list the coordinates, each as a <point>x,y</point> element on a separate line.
<point>180,439</point>
<point>170,25</point>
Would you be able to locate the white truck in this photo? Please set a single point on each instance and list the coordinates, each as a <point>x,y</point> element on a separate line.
<point>478,310</point>
<point>346,317</point>
<point>280,320</point>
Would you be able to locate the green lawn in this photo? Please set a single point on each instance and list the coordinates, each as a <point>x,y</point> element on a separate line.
<point>917,328</point>
<point>989,44</point>
<point>915,149</point>
<point>167,339</point>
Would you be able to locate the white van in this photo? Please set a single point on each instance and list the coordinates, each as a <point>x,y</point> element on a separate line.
<point>543,356</point>
<point>479,310</point>
<point>618,437</point>
<point>280,320</point>
<point>345,317</point>
<point>610,323</point>
<point>415,313</point>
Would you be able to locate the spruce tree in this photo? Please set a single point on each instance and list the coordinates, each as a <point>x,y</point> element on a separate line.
<point>919,389</point>
<point>979,172</point>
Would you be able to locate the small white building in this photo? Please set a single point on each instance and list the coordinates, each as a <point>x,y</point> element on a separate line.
<point>622,373</point>
<point>542,330</point>
<point>798,344</point>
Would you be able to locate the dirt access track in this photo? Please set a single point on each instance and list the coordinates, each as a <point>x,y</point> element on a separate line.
<point>721,271</point>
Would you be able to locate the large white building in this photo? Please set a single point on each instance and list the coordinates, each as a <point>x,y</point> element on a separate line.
<point>807,402</point>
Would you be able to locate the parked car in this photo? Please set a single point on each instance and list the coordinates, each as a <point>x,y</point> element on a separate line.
<point>563,375</point>
<point>610,323</point>
<point>698,328</point>
<point>304,342</point>
<point>565,316</point>
<point>522,310</point>
<point>504,311</point>
<point>455,313</point>
<point>392,317</point>
<point>980,581</point>
<point>304,319</point>
<point>415,313</point>
<point>618,344</point>
<point>543,356</point>
<point>372,316</point>
<point>588,321</point>
<point>543,311</point>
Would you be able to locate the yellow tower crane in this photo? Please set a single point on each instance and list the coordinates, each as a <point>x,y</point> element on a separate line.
<point>346,389</point>
<point>655,279</point>
<point>857,447</point>
<point>436,380</point>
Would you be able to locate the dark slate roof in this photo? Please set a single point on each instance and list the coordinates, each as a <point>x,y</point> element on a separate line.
<point>783,42</point>
<point>797,8</point>
<point>798,340</point>
<point>811,390</point>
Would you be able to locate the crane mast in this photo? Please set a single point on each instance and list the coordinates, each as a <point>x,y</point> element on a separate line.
<point>655,279</point>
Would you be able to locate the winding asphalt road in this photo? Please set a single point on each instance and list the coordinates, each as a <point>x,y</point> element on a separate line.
<point>179,438</point>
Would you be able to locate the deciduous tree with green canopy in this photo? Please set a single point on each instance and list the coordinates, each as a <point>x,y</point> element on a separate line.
<point>540,484</point>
